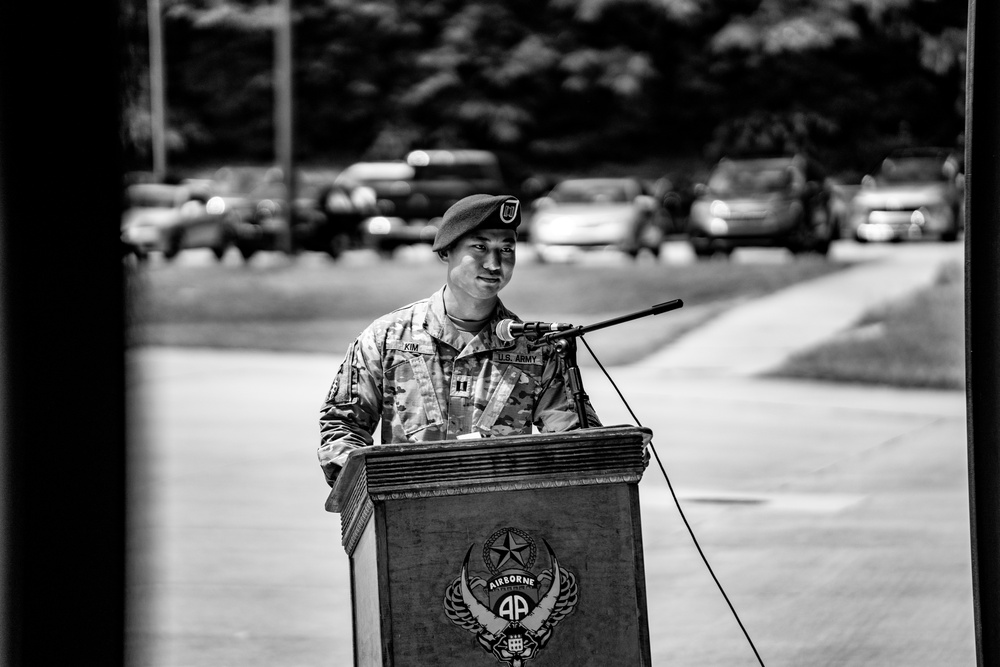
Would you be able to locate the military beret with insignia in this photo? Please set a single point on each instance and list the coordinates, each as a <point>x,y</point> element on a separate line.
<point>477,212</point>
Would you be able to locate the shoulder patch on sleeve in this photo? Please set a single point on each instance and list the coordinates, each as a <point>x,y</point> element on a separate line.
<point>345,384</point>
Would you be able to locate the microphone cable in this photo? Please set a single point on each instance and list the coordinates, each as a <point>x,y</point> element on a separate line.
<point>677,503</point>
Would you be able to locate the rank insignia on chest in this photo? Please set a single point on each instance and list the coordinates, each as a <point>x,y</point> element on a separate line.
<point>460,385</point>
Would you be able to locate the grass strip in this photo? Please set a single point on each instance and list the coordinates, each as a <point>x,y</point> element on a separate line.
<point>309,304</point>
<point>918,342</point>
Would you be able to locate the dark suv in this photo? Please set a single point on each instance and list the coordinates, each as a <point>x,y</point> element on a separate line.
<point>409,197</point>
<point>774,201</point>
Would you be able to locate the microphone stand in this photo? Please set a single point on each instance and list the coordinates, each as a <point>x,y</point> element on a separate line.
<point>565,345</point>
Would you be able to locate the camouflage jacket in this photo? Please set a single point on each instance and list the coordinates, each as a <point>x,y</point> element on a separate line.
<point>411,370</point>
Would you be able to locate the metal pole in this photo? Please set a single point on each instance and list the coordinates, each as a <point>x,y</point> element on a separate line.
<point>982,315</point>
<point>156,86</point>
<point>283,111</point>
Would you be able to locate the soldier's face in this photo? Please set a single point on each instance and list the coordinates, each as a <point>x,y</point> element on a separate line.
<point>481,263</point>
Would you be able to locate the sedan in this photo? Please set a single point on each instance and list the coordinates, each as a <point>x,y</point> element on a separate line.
<point>913,194</point>
<point>383,192</point>
<point>783,202</point>
<point>168,218</point>
<point>596,213</point>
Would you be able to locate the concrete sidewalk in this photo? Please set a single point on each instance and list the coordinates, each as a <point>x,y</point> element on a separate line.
<point>759,335</point>
<point>836,517</point>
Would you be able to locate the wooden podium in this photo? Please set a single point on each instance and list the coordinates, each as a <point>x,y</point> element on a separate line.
<point>524,551</point>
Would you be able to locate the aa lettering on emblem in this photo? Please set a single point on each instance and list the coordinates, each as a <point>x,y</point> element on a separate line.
<point>508,211</point>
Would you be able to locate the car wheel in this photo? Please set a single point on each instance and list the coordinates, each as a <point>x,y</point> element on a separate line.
<point>650,238</point>
<point>711,253</point>
<point>702,247</point>
<point>950,236</point>
<point>220,250</point>
<point>822,247</point>
<point>337,245</point>
<point>246,251</point>
<point>173,245</point>
<point>836,229</point>
<point>803,238</point>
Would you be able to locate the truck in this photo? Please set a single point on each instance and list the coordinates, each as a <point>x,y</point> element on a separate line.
<point>403,201</point>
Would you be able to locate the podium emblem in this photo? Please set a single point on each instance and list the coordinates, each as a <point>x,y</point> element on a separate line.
<point>510,616</point>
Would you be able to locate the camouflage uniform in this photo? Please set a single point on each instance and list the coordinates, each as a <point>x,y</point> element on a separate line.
<point>411,369</point>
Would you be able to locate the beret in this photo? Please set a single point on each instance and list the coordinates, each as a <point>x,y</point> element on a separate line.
<point>477,212</point>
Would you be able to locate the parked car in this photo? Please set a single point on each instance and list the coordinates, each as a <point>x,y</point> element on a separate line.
<point>783,202</point>
<point>328,216</point>
<point>842,195</point>
<point>259,196</point>
<point>381,190</point>
<point>674,194</point>
<point>914,193</point>
<point>168,218</point>
<point>412,195</point>
<point>593,213</point>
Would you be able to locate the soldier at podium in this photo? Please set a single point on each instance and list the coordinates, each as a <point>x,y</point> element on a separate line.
<point>436,369</point>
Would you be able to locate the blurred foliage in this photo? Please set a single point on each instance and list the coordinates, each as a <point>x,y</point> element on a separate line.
<point>557,83</point>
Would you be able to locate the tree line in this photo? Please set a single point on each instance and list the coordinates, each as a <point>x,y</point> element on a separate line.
<point>555,83</point>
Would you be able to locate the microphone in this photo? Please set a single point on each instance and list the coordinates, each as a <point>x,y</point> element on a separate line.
<point>508,330</point>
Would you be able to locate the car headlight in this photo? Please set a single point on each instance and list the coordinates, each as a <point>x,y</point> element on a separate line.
<point>216,206</point>
<point>266,208</point>
<point>338,202</point>
<point>718,226</point>
<point>379,225</point>
<point>719,209</point>
<point>938,210</point>
<point>364,198</point>
<point>700,213</point>
<point>191,208</point>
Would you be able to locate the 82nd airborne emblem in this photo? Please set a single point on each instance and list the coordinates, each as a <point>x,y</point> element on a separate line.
<point>510,616</point>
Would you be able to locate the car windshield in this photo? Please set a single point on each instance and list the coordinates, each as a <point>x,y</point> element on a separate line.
<point>590,192</point>
<point>462,171</point>
<point>239,180</point>
<point>911,170</point>
<point>377,171</point>
<point>149,195</point>
<point>745,178</point>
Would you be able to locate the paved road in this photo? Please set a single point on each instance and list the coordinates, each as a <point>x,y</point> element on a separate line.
<point>834,516</point>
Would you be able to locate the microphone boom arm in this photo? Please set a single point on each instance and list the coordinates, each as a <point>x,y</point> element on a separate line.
<point>565,344</point>
<point>579,331</point>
